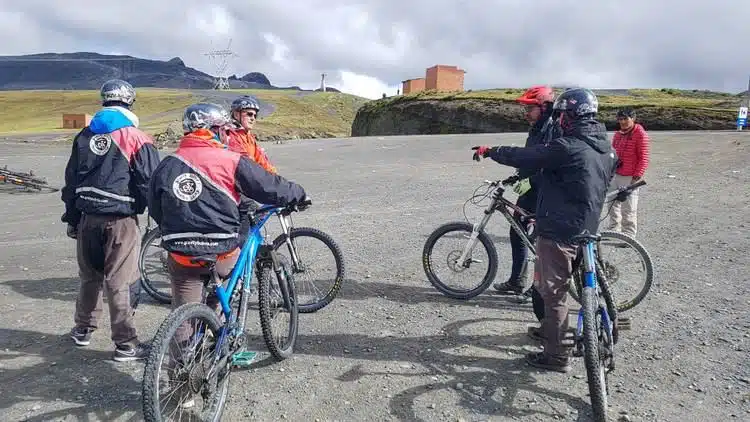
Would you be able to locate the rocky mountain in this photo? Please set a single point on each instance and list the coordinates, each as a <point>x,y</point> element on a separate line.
<point>89,70</point>
<point>494,111</point>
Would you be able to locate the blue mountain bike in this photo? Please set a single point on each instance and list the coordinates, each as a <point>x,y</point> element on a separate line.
<point>596,331</point>
<point>199,346</point>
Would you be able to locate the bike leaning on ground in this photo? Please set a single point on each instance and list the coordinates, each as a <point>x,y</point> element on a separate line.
<point>216,343</point>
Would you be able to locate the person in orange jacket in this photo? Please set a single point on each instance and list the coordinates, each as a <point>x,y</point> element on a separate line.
<point>244,111</point>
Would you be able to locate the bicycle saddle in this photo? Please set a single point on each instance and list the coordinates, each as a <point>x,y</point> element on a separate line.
<point>205,259</point>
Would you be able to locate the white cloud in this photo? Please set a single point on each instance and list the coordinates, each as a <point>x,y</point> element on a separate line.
<point>216,23</point>
<point>363,85</point>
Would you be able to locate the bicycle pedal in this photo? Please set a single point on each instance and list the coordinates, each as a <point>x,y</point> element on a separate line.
<point>246,358</point>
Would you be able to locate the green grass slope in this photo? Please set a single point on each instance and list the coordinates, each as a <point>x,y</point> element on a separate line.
<point>293,114</point>
<point>430,112</point>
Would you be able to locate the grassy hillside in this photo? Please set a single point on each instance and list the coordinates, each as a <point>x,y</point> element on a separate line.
<point>495,111</point>
<point>286,113</point>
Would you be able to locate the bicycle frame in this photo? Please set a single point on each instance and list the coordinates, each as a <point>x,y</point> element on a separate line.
<point>499,203</point>
<point>245,263</point>
<point>588,250</point>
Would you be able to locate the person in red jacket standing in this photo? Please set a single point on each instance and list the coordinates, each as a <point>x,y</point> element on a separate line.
<point>631,143</point>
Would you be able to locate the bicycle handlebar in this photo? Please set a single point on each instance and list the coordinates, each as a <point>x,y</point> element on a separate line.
<point>287,209</point>
<point>505,182</point>
<point>622,193</point>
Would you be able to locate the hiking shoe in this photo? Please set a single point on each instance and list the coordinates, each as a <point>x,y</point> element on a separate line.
<point>549,363</point>
<point>508,288</point>
<point>524,297</point>
<point>82,336</point>
<point>535,333</point>
<point>127,353</point>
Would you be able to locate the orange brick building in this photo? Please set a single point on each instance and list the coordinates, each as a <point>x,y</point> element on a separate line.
<point>413,85</point>
<point>438,78</point>
<point>75,121</point>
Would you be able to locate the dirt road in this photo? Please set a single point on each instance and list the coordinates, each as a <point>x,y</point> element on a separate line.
<point>390,347</point>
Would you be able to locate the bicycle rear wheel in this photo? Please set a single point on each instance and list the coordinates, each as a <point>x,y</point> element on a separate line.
<point>187,370</point>
<point>461,230</point>
<point>593,353</point>
<point>644,268</point>
<point>274,300</point>
<point>313,292</point>
<point>150,271</point>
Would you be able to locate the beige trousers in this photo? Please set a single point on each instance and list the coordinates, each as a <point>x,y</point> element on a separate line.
<point>623,215</point>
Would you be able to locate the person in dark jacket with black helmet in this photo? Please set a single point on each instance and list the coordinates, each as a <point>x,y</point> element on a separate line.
<point>575,171</point>
<point>537,102</point>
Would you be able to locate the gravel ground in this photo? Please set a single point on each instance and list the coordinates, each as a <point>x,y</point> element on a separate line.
<point>390,347</point>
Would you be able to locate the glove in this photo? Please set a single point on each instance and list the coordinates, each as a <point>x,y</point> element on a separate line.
<point>72,231</point>
<point>522,187</point>
<point>480,152</point>
<point>304,203</point>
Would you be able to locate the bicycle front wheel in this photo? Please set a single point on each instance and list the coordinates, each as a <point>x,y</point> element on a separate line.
<point>277,298</point>
<point>630,278</point>
<point>152,265</point>
<point>592,353</point>
<point>181,364</point>
<point>462,232</point>
<point>318,274</point>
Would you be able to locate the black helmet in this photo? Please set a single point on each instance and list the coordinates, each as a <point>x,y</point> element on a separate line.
<point>577,103</point>
<point>246,102</point>
<point>204,116</point>
<point>117,91</point>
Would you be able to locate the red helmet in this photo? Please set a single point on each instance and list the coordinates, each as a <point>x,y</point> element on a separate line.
<point>537,95</point>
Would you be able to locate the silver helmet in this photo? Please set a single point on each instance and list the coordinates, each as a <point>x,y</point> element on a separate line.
<point>117,90</point>
<point>245,102</point>
<point>204,116</point>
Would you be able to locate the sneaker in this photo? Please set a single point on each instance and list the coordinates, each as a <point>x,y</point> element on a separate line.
<point>535,333</point>
<point>508,288</point>
<point>549,363</point>
<point>127,353</point>
<point>82,336</point>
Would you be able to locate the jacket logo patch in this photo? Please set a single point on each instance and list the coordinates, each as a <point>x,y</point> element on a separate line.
<point>100,144</point>
<point>187,187</point>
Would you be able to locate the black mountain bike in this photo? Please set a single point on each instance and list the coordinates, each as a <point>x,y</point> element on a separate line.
<point>315,291</point>
<point>460,260</point>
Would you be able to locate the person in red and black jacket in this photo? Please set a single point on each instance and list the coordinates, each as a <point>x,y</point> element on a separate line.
<point>632,145</point>
<point>195,196</point>
<point>106,187</point>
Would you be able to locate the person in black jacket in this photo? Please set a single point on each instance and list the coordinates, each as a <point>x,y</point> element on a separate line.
<point>195,198</point>
<point>537,101</point>
<point>106,187</point>
<point>575,171</point>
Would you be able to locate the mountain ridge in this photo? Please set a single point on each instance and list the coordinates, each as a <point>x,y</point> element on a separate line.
<point>88,70</point>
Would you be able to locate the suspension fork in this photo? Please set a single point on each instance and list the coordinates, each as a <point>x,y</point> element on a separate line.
<point>286,229</point>
<point>476,230</point>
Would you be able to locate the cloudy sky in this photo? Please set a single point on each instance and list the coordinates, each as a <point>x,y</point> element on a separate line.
<point>368,47</point>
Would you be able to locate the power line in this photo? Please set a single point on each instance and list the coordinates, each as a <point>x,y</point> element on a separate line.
<point>220,59</point>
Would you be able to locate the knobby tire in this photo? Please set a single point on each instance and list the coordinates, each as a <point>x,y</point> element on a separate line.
<point>266,308</point>
<point>595,371</point>
<point>427,259</point>
<point>149,239</point>
<point>160,347</point>
<point>648,268</point>
<point>338,256</point>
